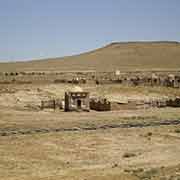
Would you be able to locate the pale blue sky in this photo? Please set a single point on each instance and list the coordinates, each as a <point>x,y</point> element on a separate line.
<point>32,29</point>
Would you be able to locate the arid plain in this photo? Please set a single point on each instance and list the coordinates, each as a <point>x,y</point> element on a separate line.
<point>128,143</point>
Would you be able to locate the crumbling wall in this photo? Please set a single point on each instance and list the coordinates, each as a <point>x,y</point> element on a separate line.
<point>174,102</point>
<point>52,104</point>
<point>76,101</point>
<point>115,106</point>
<point>100,105</point>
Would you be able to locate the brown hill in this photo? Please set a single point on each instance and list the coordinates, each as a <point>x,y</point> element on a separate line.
<point>123,56</point>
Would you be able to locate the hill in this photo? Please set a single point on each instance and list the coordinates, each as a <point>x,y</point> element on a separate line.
<point>123,56</point>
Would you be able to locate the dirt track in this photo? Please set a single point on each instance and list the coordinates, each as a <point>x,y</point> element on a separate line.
<point>116,145</point>
<point>10,132</point>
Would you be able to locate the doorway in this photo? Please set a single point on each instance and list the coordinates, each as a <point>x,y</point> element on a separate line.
<point>79,104</point>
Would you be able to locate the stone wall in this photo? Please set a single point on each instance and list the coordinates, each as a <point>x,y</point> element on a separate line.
<point>100,105</point>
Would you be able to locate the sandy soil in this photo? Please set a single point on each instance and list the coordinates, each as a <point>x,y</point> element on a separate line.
<point>151,152</point>
<point>88,155</point>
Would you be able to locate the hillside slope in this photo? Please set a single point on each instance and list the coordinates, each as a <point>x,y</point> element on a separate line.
<point>123,56</point>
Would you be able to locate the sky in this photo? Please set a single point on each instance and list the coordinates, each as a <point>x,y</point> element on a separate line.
<point>37,29</point>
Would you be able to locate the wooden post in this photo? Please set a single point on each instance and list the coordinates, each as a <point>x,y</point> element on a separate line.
<point>42,105</point>
<point>54,104</point>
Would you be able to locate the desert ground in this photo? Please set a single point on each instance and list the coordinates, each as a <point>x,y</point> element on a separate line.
<point>52,144</point>
<point>126,143</point>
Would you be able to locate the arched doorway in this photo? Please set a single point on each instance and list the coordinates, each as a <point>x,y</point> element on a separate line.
<point>79,104</point>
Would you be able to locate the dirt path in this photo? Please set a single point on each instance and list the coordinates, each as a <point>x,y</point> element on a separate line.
<point>10,132</point>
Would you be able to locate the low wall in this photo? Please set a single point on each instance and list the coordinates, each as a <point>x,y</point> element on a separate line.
<point>52,104</point>
<point>173,102</point>
<point>100,105</point>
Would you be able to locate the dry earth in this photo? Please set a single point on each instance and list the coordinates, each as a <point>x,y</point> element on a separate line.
<point>53,145</point>
<point>123,56</point>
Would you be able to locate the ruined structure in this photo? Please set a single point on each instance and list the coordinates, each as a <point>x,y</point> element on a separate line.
<point>147,78</point>
<point>52,104</point>
<point>174,102</point>
<point>100,105</point>
<point>173,81</point>
<point>76,101</point>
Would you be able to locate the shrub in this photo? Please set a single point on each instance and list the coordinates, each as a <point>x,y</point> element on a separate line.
<point>177,130</point>
<point>128,155</point>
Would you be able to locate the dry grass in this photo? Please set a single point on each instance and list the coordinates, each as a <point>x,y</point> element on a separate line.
<point>123,56</point>
<point>98,154</point>
<point>86,155</point>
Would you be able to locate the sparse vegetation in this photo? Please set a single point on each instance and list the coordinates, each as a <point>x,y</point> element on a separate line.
<point>149,134</point>
<point>124,56</point>
<point>129,155</point>
<point>177,130</point>
<point>39,143</point>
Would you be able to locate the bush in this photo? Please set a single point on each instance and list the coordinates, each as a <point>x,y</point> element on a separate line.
<point>128,155</point>
<point>177,130</point>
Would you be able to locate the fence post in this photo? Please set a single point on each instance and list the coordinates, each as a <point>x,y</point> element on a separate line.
<point>42,105</point>
<point>54,104</point>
